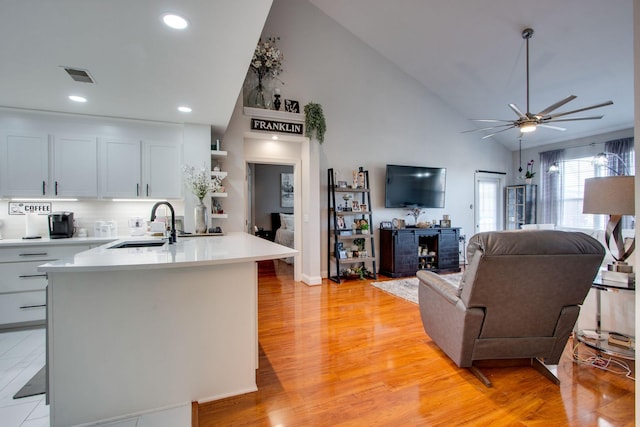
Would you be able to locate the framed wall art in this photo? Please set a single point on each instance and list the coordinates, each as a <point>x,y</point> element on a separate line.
<point>286,190</point>
<point>291,106</point>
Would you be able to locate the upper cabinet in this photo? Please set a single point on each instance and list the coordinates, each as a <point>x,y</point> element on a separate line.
<point>43,165</point>
<point>75,166</point>
<point>25,164</point>
<point>120,168</point>
<point>161,169</point>
<point>132,169</point>
<point>32,167</point>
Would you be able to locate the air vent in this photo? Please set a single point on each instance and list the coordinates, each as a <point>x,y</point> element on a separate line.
<point>79,75</point>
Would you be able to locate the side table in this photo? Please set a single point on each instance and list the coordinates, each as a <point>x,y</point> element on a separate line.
<point>598,339</point>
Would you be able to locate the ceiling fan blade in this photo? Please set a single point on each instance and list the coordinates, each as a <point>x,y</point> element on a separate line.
<point>492,121</point>
<point>517,111</point>
<point>487,128</point>
<point>558,104</point>
<point>573,118</point>
<point>604,104</point>
<point>491,134</point>
<point>553,127</point>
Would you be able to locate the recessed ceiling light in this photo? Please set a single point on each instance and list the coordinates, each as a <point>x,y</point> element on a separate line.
<point>175,21</point>
<point>184,109</point>
<point>76,98</point>
<point>274,137</point>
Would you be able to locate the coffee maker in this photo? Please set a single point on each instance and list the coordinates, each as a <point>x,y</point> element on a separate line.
<point>60,225</point>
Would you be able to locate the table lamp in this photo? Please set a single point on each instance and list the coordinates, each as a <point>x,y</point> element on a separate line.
<point>614,196</point>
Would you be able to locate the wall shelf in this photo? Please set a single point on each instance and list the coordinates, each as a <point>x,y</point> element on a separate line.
<point>273,114</point>
<point>218,153</point>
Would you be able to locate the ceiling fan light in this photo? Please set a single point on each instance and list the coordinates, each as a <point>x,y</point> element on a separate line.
<point>527,127</point>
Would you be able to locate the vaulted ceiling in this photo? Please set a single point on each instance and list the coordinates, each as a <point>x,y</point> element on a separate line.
<point>468,52</point>
<point>472,55</point>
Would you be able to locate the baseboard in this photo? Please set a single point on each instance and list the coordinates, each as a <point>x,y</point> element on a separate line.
<point>311,280</point>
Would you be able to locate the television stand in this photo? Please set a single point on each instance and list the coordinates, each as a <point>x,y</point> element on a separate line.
<point>404,251</point>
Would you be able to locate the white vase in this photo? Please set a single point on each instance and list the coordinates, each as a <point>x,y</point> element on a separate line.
<point>528,180</point>
<point>200,216</point>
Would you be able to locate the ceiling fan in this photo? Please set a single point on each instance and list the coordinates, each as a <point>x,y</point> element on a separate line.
<point>528,122</point>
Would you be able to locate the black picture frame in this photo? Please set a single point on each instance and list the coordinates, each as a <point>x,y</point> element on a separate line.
<point>291,106</point>
<point>386,225</point>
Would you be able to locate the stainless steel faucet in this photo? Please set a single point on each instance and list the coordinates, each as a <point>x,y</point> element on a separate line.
<point>172,237</point>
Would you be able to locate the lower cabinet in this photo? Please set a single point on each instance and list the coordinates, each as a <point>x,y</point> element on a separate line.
<point>405,251</point>
<point>22,286</point>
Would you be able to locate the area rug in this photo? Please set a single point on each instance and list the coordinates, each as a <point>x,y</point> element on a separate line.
<point>34,386</point>
<point>407,288</point>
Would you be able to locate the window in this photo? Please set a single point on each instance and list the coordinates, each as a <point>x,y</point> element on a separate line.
<point>572,173</point>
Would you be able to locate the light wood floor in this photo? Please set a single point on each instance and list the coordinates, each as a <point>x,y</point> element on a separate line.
<point>353,355</point>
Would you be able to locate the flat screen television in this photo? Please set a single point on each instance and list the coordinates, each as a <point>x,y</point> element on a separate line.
<point>414,187</point>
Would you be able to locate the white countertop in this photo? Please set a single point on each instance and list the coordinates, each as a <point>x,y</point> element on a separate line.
<point>232,248</point>
<point>48,241</point>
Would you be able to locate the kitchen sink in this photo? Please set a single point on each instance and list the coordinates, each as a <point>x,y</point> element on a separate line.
<point>138,244</point>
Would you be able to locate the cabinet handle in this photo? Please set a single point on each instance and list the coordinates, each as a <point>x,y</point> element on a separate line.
<point>138,189</point>
<point>147,190</point>
<point>26,307</point>
<point>56,191</point>
<point>44,188</point>
<point>35,254</point>
<point>32,276</point>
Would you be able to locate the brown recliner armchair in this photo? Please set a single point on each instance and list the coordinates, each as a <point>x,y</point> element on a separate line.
<point>519,297</point>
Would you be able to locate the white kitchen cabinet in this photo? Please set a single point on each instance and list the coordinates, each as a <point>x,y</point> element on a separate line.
<point>120,168</point>
<point>31,167</point>
<point>24,163</point>
<point>146,169</point>
<point>75,166</point>
<point>22,286</point>
<point>161,169</point>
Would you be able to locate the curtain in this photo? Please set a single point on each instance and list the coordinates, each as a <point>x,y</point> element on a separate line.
<point>623,160</point>
<point>551,187</point>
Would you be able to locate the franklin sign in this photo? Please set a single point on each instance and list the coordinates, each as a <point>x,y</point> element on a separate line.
<point>274,126</point>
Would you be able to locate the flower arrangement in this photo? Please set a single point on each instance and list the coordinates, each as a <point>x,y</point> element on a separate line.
<point>267,59</point>
<point>530,172</point>
<point>200,181</point>
<point>415,212</point>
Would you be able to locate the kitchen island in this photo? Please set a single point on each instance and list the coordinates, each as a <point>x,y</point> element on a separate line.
<point>147,329</point>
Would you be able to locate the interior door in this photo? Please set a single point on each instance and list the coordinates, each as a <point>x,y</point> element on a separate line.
<point>489,200</point>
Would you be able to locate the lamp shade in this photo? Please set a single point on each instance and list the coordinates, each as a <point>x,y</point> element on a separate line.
<point>612,195</point>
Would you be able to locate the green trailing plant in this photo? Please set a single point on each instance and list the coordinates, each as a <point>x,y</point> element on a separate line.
<point>314,121</point>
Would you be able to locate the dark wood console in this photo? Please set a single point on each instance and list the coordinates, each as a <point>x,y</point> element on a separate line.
<point>405,251</point>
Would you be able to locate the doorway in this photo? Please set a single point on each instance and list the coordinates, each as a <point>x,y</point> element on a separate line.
<point>489,200</point>
<point>270,191</point>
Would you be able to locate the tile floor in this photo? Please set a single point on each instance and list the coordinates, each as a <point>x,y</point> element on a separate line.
<point>22,354</point>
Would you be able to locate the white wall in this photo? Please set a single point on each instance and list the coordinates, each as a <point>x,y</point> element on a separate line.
<point>376,114</point>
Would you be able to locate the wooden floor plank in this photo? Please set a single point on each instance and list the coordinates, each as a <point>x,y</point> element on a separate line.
<point>351,355</point>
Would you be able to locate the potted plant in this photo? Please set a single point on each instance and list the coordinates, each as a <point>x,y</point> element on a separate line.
<point>314,121</point>
<point>530,173</point>
<point>200,183</point>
